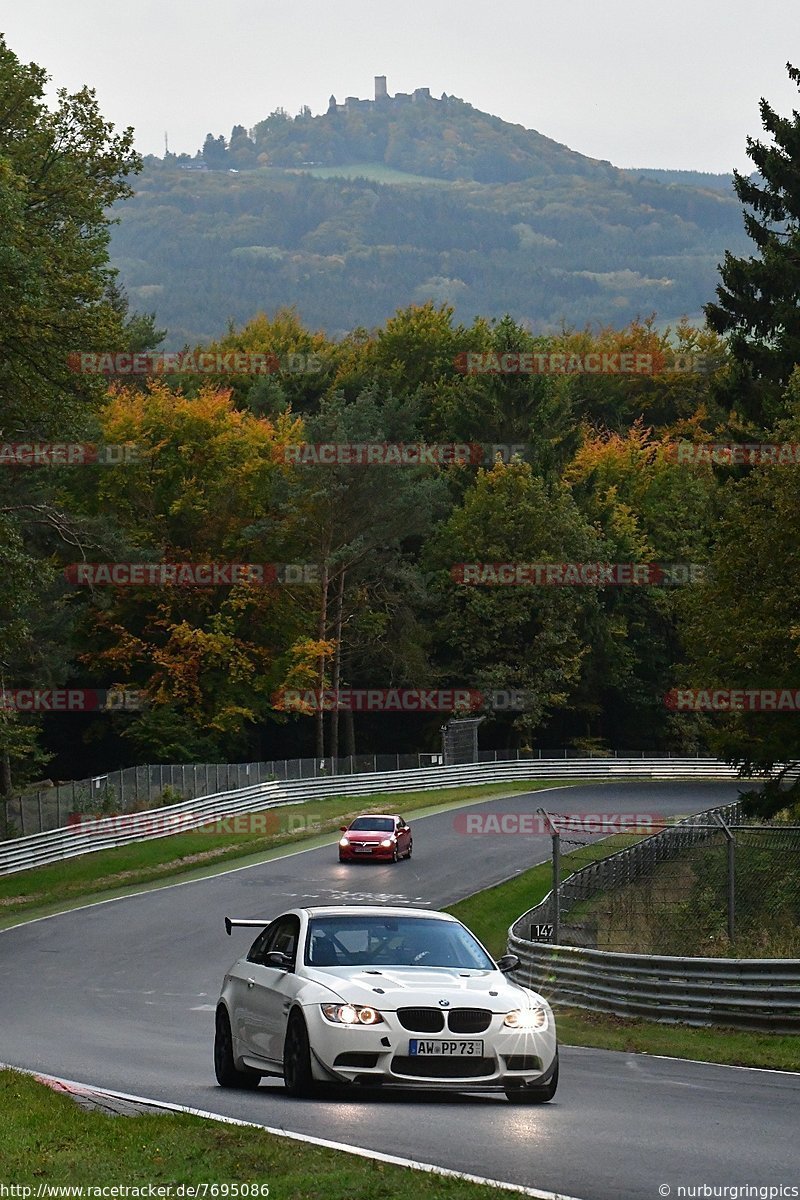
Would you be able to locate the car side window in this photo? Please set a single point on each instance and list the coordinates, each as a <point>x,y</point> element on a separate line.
<point>282,935</point>
<point>257,950</point>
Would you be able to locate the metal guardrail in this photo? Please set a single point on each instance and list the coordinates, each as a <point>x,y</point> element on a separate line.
<point>740,993</point>
<point>20,854</point>
<point>106,833</point>
<point>136,788</point>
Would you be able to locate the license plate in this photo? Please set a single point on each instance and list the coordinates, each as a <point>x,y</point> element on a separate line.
<point>363,849</point>
<point>417,1046</point>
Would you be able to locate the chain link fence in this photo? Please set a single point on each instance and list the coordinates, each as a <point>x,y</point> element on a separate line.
<point>137,789</point>
<point>714,885</point>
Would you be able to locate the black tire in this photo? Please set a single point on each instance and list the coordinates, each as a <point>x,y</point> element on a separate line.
<point>341,859</point>
<point>537,1093</point>
<point>225,1069</point>
<point>395,855</point>
<point>297,1077</point>
<point>410,848</point>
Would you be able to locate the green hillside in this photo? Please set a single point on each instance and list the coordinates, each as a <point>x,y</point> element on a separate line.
<point>202,248</point>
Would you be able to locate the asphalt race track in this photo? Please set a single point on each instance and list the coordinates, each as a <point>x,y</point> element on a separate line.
<point>121,995</point>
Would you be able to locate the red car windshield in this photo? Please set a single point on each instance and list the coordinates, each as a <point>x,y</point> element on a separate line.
<point>378,824</point>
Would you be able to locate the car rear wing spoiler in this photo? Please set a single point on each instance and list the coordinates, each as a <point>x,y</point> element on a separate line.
<point>230,922</point>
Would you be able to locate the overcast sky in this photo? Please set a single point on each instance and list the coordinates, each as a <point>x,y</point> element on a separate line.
<point>641,84</point>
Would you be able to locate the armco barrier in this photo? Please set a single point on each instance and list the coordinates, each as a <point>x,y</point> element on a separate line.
<point>39,849</point>
<point>739,993</point>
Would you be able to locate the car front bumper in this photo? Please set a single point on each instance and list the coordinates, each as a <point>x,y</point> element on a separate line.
<point>379,1055</point>
<point>377,853</point>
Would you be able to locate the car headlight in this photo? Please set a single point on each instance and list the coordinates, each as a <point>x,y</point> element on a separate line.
<point>388,842</point>
<point>344,841</point>
<point>526,1018</point>
<point>351,1014</point>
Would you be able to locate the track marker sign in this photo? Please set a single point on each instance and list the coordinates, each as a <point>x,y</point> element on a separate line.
<point>541,933</point>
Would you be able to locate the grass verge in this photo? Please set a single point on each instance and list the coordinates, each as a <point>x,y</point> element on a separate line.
<point>107,873</point>
<point>735,1047</point>
<point>46,1137</point>
<point>489,914</point>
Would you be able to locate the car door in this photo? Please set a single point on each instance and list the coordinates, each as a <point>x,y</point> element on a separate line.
<point>403,835</point>
<point>270,991</point>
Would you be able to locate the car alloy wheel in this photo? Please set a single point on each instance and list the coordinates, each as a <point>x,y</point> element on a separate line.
<point>297,1059</point>
<point>225,1069</point>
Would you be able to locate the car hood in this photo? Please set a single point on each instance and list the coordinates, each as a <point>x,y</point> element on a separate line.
<point>403,987</point>
<point>367,835</point>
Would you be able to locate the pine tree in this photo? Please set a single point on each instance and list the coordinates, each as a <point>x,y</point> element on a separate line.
<point>759,296</point>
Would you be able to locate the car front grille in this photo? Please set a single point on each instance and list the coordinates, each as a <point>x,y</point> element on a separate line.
<point>469,1020</point>
<point>421,1020</point>
<point>438,1066</point>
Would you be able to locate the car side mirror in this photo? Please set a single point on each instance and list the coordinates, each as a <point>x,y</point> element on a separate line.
<point>343,828</point>
<point>276,958</point>
<point>509,962</point>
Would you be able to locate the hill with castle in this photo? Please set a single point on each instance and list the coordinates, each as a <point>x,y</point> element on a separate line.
<point>409,131</point>
<point>396,200</point>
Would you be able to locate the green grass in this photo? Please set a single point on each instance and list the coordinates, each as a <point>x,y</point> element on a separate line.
<point>737,1047</point>
<point>46,1137</point>
<point>489,914</point>
<point>107,873</point>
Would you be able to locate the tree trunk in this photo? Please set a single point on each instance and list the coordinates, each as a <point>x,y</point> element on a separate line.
<point>349,733</point>
<point>337,672</point>
<point>5,775</point>
<point>321,631</point>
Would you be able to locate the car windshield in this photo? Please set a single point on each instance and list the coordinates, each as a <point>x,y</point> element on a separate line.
<point>379,824</point>
<point>377,941</point>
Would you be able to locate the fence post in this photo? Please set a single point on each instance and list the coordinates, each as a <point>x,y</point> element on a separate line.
<point>556,875</point>
<point>731,878</point>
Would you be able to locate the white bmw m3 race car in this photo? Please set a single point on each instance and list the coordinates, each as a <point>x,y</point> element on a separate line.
<point>371,995</point>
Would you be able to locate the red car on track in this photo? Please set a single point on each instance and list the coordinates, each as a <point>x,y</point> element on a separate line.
<point>379,837</point>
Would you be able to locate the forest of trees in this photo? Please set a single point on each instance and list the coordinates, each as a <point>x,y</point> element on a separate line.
<point>432,201</point>
<point>597,479</point>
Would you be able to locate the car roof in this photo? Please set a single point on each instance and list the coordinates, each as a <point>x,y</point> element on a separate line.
<point>373,910</point>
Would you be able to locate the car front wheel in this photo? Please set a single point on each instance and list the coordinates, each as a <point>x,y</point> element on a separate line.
<point>535,1093</point>
<point>297,1059</point>
<point>227,1073</point>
